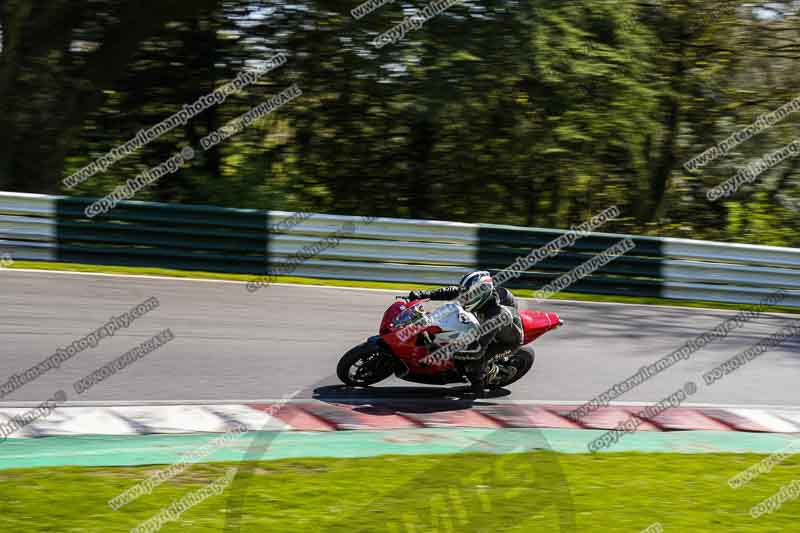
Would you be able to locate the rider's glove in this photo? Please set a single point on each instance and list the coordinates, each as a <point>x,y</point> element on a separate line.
<point>414,295</point>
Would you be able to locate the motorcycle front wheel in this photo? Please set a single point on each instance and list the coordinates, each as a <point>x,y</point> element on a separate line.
<point>364,365</point>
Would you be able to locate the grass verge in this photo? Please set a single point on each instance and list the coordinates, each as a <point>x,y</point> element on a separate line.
<point>401,288</point>
<point>624,492</point>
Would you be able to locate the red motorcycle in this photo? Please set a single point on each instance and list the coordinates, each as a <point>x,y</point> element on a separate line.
<point>408,336</point>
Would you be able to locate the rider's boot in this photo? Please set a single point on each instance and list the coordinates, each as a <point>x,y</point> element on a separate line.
<point>474,373</point>
<point>499,374</point>
<point>492,372</point>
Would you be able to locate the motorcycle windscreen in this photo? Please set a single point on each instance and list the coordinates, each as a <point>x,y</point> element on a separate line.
<point>400,315</point>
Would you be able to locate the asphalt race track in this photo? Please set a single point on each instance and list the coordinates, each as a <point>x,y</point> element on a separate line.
<point>231,345</point>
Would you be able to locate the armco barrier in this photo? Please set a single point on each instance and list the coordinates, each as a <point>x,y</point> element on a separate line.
<point>53,228</point>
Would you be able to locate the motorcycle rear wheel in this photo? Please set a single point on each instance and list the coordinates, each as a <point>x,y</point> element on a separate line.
<point>521,362</point>
<point>364,365</point>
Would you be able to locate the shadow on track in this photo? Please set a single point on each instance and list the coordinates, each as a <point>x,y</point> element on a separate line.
<point>386,401</point>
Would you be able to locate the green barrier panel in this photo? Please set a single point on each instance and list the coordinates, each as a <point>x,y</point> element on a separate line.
<point>639,272</point>
<point>164,236</point>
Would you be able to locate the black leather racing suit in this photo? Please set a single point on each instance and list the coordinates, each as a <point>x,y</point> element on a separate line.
<point>504,338</point>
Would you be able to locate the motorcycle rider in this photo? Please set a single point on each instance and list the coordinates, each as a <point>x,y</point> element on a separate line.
<point>476,292</point>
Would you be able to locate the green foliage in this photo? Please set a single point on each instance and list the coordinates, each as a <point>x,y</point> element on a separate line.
<point>522,112</point>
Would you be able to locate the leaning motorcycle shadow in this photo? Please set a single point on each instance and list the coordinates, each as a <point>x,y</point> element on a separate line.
<point>387,401</point>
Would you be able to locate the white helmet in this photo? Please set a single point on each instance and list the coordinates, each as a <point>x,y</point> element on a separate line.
<point>476,289</point>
